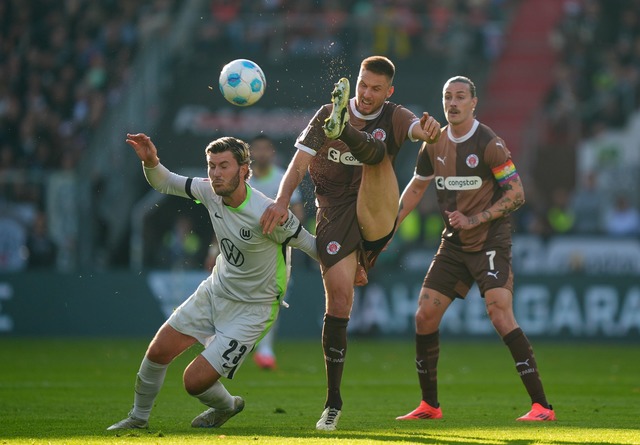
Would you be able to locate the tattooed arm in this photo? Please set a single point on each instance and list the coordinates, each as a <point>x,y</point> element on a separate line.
<point>512,199</point>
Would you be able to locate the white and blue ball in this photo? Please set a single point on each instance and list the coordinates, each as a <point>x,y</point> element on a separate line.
<point>242,82</point>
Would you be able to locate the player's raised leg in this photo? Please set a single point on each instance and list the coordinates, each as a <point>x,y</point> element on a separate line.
<point>363,146</point>
<point>379,192</point>
<point>378,199</point>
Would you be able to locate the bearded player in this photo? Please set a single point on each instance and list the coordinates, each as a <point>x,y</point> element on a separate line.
<point>349,149</point>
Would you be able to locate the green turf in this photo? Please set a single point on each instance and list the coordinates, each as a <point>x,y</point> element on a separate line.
<point>68,391</point>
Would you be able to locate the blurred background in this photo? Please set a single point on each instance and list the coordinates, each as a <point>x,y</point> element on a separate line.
<point>86,246</point>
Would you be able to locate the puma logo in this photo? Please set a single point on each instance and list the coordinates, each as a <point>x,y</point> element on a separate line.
<point>493,274</point>
<point>339,351</point>
<point>419,363</point>
<point>441,159</point>
<point>525,363</point>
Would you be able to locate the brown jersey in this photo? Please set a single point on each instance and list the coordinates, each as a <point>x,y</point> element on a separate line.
<point>466,173</point>
<point>335,172</point>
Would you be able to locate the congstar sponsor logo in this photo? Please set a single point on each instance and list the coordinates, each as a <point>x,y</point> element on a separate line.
<point>342,158</point>
<point>458,182</point>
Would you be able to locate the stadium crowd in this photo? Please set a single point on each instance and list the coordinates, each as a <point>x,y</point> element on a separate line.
<point>596,89</point>
<point>398,29</point>
<point>61,68</point>
<point>63,65</point>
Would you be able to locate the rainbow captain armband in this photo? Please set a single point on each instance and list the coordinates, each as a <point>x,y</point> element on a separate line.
<point>505,173</point>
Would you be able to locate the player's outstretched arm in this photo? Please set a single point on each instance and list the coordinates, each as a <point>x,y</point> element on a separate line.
<point>305,241</point>
<point>144,148</point>
<point>277,213</point>
<point>158,176</point>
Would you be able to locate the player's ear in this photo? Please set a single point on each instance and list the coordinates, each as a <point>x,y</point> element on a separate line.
<point>390,91</point>
<point>244,171</point>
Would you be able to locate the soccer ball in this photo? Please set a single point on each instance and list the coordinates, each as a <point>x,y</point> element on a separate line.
<point>242,82</point>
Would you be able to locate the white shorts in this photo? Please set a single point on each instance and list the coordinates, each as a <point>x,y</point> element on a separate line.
<point>227,329</point>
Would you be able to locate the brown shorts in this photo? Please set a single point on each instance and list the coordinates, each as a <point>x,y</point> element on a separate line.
<point>452,271</point>
<point>338,235</point>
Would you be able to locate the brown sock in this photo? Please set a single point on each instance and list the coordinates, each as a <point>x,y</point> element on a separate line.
<point>526,366</point>
<point>363,146</point>
<point>334,343</point>
<point>427,354</point>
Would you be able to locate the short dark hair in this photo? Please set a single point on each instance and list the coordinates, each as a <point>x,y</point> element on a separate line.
<point>238,148</point>
<point>379,65</point>
<point>463,79</point>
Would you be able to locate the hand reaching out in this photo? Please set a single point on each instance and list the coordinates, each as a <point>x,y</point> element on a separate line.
<point>145,149</point>
<point>430,127</point>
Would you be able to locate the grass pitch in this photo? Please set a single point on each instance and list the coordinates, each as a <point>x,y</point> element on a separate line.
<point>68,391</point>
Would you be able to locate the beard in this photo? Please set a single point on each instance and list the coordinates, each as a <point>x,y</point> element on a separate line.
<point>228,189</point>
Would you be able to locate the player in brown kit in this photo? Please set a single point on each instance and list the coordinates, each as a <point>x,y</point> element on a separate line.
<point>477,186</point>
<point>349,149</point>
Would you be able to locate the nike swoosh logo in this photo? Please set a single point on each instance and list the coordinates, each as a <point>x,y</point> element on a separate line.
<point>216,215</point>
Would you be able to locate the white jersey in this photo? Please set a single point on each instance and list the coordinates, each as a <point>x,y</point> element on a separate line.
<point>252,267</point>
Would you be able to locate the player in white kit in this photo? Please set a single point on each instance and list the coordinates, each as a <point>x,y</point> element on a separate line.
<point>236,305</point>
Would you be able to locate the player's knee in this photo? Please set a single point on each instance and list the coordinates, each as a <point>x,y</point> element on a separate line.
<point>340,309</point>
<point>502,320</point>
<point>339,303</point>
<point>157,354</point>
<point>424,320</point>
<point>193,389</point>
<point>193,384</point>
<point>199,376</point>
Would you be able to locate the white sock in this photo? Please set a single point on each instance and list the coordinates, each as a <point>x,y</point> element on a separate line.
<point>217,397</point>
<point>149,380</point>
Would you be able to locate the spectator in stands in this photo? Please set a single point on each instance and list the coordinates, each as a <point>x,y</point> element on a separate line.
<point>12,244</point>
<point>395,29</point>
<point>623,219</point>
<point>181,246</point>
<point>62,211</point>
<point>587,206</point>
<point>560,215</point>
<point>41,249</point>
<point>597,76</point>
<point>63,64</point>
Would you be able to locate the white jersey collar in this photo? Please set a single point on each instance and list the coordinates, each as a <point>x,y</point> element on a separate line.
<point>463,138</point>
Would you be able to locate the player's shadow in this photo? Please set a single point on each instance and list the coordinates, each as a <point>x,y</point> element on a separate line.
<point>533,433</point>
<point>423,437</point>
